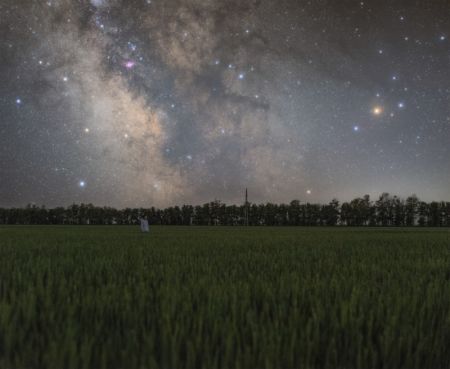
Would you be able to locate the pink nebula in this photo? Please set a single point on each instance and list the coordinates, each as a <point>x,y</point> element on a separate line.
<point>129,64</point>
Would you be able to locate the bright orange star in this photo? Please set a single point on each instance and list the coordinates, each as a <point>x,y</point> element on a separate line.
<point>377,110</point>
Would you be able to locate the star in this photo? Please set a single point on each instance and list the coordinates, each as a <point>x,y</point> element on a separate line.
<point>98,3</point>
<point>401,105</point>
<point>356,128</point>
<point>442,38</point>
<point>86,130</point>
<point>308,192</point>
<point>241,76</point>
<point>18,101</point>
<point>377,110</point>
<point>132,46</point>
<point>82,184</point>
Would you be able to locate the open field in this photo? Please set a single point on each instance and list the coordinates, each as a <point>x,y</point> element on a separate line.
<point>111,297</point>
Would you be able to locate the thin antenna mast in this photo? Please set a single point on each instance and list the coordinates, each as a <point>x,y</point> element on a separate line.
<point>246,207</point>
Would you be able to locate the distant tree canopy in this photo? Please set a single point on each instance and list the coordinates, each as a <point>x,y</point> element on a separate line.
<point>387,211</point>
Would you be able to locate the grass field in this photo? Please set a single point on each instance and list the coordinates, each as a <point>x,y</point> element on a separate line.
<point>111,297</point>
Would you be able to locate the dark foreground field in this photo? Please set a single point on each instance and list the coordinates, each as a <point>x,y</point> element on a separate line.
<point>110,297</point>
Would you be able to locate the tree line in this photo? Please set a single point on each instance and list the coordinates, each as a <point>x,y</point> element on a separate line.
<point>387,211</point>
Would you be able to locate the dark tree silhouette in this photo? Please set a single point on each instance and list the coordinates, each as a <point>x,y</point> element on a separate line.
<point>387,211</point>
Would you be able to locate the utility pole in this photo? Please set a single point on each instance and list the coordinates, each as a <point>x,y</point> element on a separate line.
<point>246,207</point>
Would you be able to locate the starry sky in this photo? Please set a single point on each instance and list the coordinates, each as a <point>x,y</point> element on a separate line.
<point>161,102</point>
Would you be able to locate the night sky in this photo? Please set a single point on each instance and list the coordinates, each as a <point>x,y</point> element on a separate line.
<point>160,102</point>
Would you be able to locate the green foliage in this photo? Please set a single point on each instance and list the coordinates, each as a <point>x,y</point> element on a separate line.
<point>192,297</point>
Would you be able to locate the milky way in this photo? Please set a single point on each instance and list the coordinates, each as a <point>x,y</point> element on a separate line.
<point>158,102</point>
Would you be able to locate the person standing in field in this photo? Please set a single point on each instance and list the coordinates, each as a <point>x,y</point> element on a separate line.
<point>144,225</point>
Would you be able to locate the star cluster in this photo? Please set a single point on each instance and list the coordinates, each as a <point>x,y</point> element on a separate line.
<point>157,102</point>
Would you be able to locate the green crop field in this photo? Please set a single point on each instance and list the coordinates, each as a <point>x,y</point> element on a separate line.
<point>111,297</point>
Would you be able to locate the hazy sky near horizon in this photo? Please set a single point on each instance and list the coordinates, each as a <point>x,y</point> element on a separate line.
<point>159,102</point>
